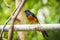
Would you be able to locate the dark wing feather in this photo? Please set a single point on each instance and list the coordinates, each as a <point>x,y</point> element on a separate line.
<point>35,17</point>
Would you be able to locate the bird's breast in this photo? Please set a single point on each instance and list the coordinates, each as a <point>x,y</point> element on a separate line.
<point>32,19</point>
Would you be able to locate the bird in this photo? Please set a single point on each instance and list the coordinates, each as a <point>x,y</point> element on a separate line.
<point>33,19</point>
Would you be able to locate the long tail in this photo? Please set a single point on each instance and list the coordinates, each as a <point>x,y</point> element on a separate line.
<point>44,33</point>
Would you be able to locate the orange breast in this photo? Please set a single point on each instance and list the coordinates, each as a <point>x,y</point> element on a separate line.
<point>32,19</point>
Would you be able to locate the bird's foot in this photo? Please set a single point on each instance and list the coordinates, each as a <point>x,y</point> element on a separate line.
<point>37,27</point>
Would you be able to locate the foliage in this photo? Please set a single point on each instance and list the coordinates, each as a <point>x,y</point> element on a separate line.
<point>34,6</point>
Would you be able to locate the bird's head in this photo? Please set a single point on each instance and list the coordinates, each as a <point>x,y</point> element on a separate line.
<point>27,12</point>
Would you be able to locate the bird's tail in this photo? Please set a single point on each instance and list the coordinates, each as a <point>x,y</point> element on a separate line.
<point>44,33</point>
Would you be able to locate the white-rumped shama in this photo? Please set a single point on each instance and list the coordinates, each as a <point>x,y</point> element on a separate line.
<point>32,18</point>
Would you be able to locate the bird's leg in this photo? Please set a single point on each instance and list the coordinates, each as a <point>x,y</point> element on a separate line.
<point>37,27</point>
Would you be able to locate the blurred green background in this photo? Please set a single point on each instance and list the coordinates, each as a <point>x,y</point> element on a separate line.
<point>49,11</point>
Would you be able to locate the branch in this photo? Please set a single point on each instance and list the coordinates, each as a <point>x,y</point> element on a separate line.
<point>26,27</point>
<point>11,29</point>
<point>7,20</point>
<point>9,6</point>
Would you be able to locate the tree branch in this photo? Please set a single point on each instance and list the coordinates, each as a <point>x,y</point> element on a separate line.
<point>26,27</point>
<point>8,18</point>
<point>10,33</point>
<point>7,21</point>
<point>9,6</point>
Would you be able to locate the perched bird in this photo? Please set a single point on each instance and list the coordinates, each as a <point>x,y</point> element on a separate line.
<point>33,19</point>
